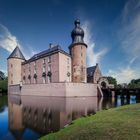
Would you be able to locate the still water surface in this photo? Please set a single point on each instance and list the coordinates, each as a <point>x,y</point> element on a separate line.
<point>30,117</point>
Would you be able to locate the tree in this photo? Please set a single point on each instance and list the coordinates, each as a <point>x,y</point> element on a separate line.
<point>3,82</point>
<point>112,80</point>
<point>2,75</point>
<point>134,83</point>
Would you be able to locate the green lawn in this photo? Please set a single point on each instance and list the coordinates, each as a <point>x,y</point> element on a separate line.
<point>122,123</point>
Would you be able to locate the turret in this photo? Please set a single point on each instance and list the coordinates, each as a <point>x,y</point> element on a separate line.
<point>14,62</point>
<point>78,53</point>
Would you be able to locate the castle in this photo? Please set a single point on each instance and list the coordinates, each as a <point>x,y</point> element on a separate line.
<point>54,70</point>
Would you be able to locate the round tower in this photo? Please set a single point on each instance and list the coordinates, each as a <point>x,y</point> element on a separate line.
<point>14,62</point>
<point>78,53</point>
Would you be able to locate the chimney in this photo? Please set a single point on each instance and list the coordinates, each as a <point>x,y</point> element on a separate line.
<point>51,45</point>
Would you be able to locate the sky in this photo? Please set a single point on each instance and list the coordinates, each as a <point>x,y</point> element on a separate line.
<point>112,31</point>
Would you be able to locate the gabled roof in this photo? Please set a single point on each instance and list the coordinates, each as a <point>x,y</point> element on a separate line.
<point>91,70</point>
<point>16,54</point>
<point>47,52</point>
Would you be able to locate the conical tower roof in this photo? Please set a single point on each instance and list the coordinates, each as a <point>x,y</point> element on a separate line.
<point>16,54</point>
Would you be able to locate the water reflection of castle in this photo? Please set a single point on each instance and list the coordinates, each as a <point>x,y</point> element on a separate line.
<point>47,114</point>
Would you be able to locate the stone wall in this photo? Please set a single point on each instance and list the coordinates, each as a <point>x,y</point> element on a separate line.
<point>81,89</point>
<point>59,89</point>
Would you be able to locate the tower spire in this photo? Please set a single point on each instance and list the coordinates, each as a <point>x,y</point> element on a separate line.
<point>77,34</point>
<point>78,53</point>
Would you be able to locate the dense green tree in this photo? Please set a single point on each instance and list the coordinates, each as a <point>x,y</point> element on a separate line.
<point>3,82</point>
<point>2,75</point>
<point>119,86</point>
<point>112,80</point>
<point>3,85</point>
<point>134,83</point>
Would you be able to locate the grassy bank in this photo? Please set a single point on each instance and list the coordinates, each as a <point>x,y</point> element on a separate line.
<point>121,123</point>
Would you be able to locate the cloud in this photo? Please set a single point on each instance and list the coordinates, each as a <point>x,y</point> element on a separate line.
<point>130,30</point>
<point>125,74</point>
<point>129,37</point>
<point>9,42</point>
<point>92,56</point>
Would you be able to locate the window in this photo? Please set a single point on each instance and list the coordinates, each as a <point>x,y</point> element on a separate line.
<point>82,69</point>
<point>11,81</point>
<point>81,54</point>
<point>49,68</point>
<point>44,79</point>
<point>44,68</point>
<point>49,79</point>
<point>11,65</point>
<point>49,59</point>
<point>67,60</point>
<point>29,68</point>
<point>35,80</point>
<point>29,78</point>
<point>43,61</point>
<point>24,79</point>
<point>29,81</point>
<point>35,71</point>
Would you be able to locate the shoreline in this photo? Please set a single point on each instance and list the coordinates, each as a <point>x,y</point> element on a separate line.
<point>115,123</point>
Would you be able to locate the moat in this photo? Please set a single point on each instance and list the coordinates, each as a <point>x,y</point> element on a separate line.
<point>30,117</point>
